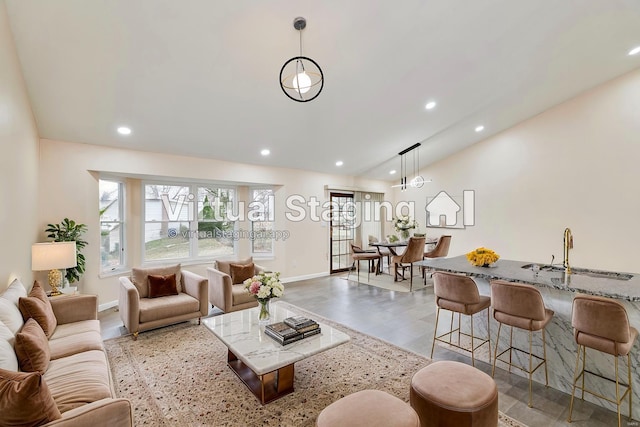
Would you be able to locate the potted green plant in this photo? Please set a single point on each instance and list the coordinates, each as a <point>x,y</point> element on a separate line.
<point>70,231</point>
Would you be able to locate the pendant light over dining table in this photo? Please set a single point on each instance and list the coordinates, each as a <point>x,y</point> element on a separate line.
<point>301,78</point>
<point>417,181</point>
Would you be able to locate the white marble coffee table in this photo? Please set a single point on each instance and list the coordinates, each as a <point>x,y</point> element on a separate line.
<point>265,366</point>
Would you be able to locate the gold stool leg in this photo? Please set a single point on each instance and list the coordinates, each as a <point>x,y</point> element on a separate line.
<point>584,361</point>
<point>435,332</point>
<point>489,333</point>
<point>473,358</point>
<point>575,380</point>
<point>615,363</point>
<point>510,346</point>
<point>495,353</point>
<point>630,388</point>
<point>530,371</point>
<point>544,353</point>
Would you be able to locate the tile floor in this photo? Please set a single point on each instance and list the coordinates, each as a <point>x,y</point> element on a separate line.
<point>407,320</point>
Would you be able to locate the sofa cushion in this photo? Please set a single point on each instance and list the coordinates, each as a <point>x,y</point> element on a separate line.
<point>68,329</point>
<point>163,308</point>
<point>225,266</point>
<point>74,344</point>
<point>8,359</point>
<point>162,286</point>
<point>9,313</point>
<point>241,272</point>
<point>25,400</point>
<point>32,348</point>
<point>38,307</point>
<point>240,295</point>
<point>140,277</point>
<point>79,379</point>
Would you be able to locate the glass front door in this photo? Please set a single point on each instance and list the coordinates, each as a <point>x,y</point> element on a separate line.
<point>342,231</point>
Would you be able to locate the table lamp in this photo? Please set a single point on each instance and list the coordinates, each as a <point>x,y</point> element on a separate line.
<point>53,256</point>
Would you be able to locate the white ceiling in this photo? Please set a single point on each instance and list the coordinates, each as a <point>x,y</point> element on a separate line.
<point>200,77</point>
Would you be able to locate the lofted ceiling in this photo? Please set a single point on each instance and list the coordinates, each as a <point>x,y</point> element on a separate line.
<point>200,77</point>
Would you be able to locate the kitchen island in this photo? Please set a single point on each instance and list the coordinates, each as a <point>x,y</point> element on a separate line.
<point>557,289</point>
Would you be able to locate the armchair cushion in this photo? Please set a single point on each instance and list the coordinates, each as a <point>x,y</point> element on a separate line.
<point>225,266</point>
<point>140,277</point>
<point>162,286</point>
<point>241,272</point>
<point>38,307</point>
<point>241,296</point>
<point>32,348</point>
<point>170,306</point>
<point>25,400</point>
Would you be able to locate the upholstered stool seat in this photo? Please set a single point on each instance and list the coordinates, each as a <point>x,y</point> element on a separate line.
<point>454,394</point>
<point>368,408</point>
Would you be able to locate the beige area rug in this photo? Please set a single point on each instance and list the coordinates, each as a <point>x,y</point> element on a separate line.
<point>177,376</point>
<point>385,281</point>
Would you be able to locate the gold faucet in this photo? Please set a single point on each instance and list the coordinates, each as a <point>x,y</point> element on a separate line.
<point>568,244</point>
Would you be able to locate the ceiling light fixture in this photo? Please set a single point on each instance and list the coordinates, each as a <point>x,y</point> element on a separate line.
<point>479,128</point>
<point>430,105</point>
<point>339,163</point>
<point>123,130</point>
<point>301,78</point>
<point>265,152</point>
<point>417,181</point>
<point>392,172</point>
<point>635,51</point>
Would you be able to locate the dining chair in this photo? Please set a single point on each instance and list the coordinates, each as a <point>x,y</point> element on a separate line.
<point>358,254</point>
<point>413,253</point>
<point>441,250</point>
<point>384,252</point>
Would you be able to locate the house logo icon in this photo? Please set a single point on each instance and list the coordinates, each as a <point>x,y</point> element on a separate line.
<point>444,211</point>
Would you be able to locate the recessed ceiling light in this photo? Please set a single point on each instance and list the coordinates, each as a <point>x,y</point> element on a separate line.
<point>339,163</point>
<point>634,51</point>
<point>430,105</point>
<point>479,128</point>
<point>265,152</point>
<point>123,130</point>
<point>392,172</point>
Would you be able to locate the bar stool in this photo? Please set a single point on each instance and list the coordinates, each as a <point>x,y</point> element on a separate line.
<point>521,306</point>
<point>602,324</point>
<point>459,294</point>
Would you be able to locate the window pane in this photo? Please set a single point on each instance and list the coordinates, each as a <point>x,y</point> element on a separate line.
<point>167,203</point>
<point>166,240</point>
<point>262,237</point>
<point>261,216</point>
<point>213,241</point>
<point>111,224</point>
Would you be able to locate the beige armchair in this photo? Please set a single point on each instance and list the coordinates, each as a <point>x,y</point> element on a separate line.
<point>150,298</point>
<point>226,293</point>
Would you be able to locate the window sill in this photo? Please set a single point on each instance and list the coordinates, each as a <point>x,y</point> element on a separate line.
<point>116,272</point>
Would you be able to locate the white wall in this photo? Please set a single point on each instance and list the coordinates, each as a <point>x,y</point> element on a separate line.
<point>18,165</point>
<point>575,165</point>
<point>69,188</point>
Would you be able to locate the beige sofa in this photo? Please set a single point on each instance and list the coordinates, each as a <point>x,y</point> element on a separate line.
<point>140,311</point>
<point>225,293</point>
<point>74,387</point>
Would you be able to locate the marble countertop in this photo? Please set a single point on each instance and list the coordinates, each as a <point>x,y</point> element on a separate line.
<point>512,270</point>
<point>242,334</point>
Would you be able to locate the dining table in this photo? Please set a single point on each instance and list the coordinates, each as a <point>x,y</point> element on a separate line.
<point>393,247</point>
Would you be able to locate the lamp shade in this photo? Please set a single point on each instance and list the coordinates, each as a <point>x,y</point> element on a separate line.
<point>53,255</point>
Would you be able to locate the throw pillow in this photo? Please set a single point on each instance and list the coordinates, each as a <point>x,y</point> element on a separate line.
<point>25,400</point>
<point>8,359</point>
<point>162,286</point>
<point>9,313</point>
<point>32,348</point>
<point>240,273</point>
<point>225,266</point>
<point>140,277</point>
<point>38,307</point>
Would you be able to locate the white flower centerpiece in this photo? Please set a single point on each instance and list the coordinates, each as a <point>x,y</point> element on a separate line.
<point>263,287</point>
<point>403,225</point>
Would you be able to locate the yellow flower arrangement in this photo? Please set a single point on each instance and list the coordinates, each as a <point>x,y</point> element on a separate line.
<point>482,257</point>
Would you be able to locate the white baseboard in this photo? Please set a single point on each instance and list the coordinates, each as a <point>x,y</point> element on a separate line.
<point>305,277</point>
<point>108,305</point>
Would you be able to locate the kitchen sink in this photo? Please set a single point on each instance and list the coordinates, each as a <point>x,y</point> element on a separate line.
<point>601,274</point>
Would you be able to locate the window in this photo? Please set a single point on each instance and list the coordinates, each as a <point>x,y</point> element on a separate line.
<point>261,216</point>
<point>187,221</point>
<point>111,207</point>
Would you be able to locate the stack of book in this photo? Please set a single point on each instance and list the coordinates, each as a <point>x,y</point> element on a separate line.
<point>292,329</point>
